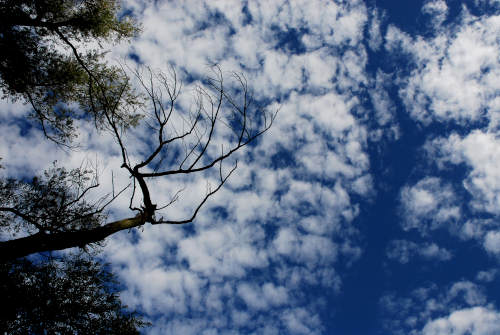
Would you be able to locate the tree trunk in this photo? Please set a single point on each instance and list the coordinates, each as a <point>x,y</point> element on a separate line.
<point>24,246</point>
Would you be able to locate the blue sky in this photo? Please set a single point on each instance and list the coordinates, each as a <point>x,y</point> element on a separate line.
<point>371,206</point>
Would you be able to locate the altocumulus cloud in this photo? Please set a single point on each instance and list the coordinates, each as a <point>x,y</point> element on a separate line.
<point>460,308</point>
<point>267,253</point>
<point>288,216</point>
<point>451,83</point>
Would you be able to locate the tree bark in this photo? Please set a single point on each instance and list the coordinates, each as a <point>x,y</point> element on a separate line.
<point>24,246</point>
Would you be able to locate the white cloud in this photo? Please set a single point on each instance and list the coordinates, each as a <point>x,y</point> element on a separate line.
<point>300,321</point>
<point>475,320</point>
<point>283,222</point>
<point>470,292</point>
<point>284,225</point>
<point>489,2</point>
<point>456,309</point>
<point>383,106</point>
<point>305,248</point>
<point>428,205</point>
<point>33,148</point>
<point>455,71</point>
<point>375,36</point>
<point>481,152</point>
<point>403,250</point>
<point>492,242</point>
<point>437,9</point>
<point>224,251</point>
<point>264,297</point>
<point>433,251</point>
<point>487,276</point>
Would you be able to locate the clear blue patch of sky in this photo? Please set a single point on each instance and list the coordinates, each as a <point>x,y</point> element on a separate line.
<point>289,40</point>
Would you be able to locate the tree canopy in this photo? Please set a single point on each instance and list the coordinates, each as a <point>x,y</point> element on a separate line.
<point>51,57</point>
<point>73,294</point>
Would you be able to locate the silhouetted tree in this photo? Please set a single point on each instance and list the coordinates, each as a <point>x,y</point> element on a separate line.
<point>71,294</point>
<point>54,211</point>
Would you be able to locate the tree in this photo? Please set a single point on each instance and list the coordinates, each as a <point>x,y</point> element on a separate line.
<point>53,209</point>
<point>65,295</point>
<point>40,63</point>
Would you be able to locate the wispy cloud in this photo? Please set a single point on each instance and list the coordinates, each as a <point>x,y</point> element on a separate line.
<point>403,250</point>
<point>459,308</point>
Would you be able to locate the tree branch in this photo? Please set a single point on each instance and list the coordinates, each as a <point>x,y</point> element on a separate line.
<point>24,246</point>
<point>197,209</point>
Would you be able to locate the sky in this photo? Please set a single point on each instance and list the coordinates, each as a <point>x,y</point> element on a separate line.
<point>370,207</point>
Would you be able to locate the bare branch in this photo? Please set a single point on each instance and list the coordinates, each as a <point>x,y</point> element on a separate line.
<point>173,199</point>
<point>179,150</point>
<point>197,209</point>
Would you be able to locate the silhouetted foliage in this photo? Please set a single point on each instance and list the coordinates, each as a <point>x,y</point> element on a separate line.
<point>71,294</point>
<point>52,203</point>
<point>52,58</point>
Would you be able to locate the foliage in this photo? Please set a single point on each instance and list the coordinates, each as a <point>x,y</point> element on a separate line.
<point>72,294</point>
<point>40,63</point>
<point>51,59</point>
<point>54,202</point>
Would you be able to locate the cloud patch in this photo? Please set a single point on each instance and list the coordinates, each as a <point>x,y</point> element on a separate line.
<point>428,205</point>
<point>454,72</point>
<point>403,250</point>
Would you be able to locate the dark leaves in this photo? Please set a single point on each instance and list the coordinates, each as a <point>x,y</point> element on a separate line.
<point>67,295</point>
<point>52,203</point>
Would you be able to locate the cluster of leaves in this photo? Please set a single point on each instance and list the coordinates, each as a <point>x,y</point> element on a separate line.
<point>73,294</point>
<point>52,203</point>
<point>40,63</point>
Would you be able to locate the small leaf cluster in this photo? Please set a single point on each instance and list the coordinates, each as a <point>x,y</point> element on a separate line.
<point>54,202</point>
